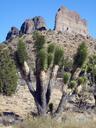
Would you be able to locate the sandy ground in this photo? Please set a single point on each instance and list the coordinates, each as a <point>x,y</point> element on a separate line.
<point>22,102</point>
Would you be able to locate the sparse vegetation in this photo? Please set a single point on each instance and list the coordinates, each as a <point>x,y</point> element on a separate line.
<point>8,73</point>
<point>51,123</point>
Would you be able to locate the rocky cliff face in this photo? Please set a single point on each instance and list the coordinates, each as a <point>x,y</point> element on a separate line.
<point>70,21</point>
<point>30,25</point>
<point>65,21</point>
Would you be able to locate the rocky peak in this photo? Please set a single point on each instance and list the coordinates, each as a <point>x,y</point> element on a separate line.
<point>70,21</point>
<point>39,23</point>
<point>12,33</point>
<point>27,27</point>
<point>30,25</point>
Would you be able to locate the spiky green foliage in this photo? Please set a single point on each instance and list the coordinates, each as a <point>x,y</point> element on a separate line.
<point>73,84</point>
<point>85,79</point>
<point>50,59</point>
<point>92,64</point>
<point>81,55</point>
<point>43,59</point>
<point>66,77</point>
<point>58,55</point>
<point>39,41</point>
<point>21,52</point>
<point>51,48</point>
<point>8,74</point>
<point>82,80</point>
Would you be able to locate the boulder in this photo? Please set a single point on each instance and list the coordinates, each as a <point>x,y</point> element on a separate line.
<point>12,33</point>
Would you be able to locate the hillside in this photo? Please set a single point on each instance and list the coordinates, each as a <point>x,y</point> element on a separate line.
<point>65,35</point>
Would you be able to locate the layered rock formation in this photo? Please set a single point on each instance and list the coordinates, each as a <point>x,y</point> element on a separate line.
<point>30,25</point>
<point>12,33</point>
<point>70,21</point>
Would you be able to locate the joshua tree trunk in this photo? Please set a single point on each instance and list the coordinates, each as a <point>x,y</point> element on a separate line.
<point>44,82</point>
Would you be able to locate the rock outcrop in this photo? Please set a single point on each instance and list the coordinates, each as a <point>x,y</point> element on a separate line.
<point>27,27</point>
<point>70,21</point>
<point>39,23</point>
<point>30,25</point>
<point>12,33</point>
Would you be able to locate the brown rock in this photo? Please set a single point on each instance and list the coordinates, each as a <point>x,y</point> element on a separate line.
<point>70,21</point>
<point>27,27</point>
<point>30,25</point>
<point>12,33</point>
<point>39,23</point>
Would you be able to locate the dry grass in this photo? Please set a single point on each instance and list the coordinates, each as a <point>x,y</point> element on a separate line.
<point>50,123</point>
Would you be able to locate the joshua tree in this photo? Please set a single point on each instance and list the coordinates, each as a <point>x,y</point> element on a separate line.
<point>79,59</point>
<point>47,64</point>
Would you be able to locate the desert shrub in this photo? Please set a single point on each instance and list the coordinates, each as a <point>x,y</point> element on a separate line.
<point>82,80</point>
<point>66,77</point>
<point>73,84</point>
<point>8,74</point>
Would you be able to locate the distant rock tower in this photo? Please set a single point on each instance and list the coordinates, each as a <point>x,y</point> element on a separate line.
<point>70,21</point>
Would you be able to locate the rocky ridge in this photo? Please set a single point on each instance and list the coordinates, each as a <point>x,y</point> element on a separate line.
<point>65,21</point>
<point>29,26</point>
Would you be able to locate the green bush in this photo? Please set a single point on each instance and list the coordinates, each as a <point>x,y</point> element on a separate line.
<point>66,77</point>
<point>8,74</point>
<point>21,52</point>
<point>73,84</point>
<point>82,80</point>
